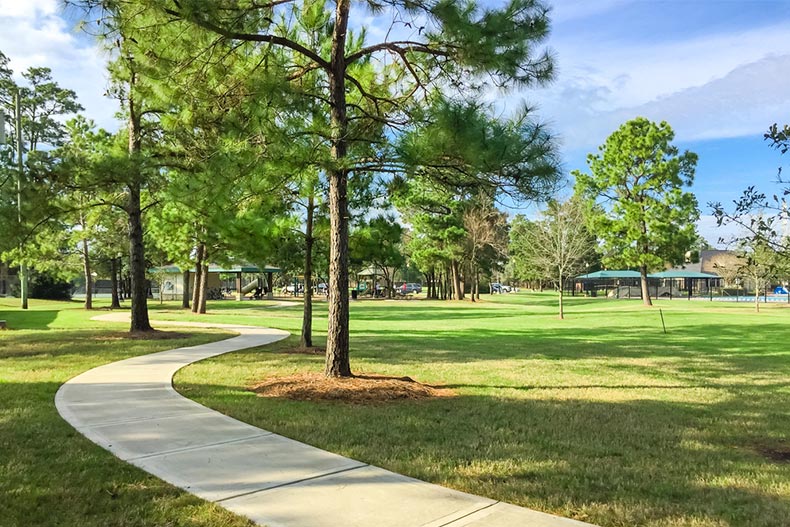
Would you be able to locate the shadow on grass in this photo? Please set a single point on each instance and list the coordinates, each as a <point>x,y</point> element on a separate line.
<point>611,463</point>
<point>31,319</point>
<point>53,476</point>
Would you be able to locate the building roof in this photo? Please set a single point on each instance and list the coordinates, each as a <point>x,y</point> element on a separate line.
<point>682,273</point>
<point>214,268</point>
<point>374,270</point>
<point>598,275</point>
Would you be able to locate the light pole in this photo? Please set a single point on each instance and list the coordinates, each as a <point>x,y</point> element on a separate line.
<point>23,283</point>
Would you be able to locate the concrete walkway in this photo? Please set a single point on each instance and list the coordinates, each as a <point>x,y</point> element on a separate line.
<point>131,409</point>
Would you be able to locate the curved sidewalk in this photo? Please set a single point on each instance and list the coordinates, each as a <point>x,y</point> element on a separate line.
<point>131,409</point>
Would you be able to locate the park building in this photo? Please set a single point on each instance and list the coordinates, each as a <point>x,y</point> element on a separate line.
<point>717,274</point>
<point>230,281</point>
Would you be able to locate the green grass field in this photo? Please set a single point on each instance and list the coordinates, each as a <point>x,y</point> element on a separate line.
<point>50,475</point>
<point>601,417</point>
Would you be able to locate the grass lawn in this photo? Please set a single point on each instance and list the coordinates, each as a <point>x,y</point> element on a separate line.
<point>50,474</point>
<point>600,417</point>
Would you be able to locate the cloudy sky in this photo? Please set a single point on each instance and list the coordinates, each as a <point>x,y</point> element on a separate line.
<point>716,70</point>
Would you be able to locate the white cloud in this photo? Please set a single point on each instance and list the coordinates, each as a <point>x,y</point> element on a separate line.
<point>721,85</point>
<point>27,9</point>
<point>744,102</point>
<point>34,35</point>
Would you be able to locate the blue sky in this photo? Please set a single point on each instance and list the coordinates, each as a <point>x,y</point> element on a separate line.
<point>716,70</point>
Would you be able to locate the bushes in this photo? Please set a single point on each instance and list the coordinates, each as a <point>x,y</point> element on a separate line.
<point>45,286</point>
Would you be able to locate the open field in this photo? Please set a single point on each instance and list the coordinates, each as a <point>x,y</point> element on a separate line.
<point>600,417</point>
<point>49,473</point>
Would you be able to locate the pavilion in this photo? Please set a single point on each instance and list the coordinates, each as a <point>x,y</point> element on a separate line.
<point>684,280</point>
<point>663,284</point>
<point>606,280</point>
<point>172,279</point>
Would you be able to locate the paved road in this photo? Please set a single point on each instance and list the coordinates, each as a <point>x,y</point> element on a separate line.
<point>131,409</point>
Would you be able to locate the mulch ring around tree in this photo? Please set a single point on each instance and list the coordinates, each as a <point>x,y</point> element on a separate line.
<point>315,350</point>
<point>144,335</point>
<point>363,389</point>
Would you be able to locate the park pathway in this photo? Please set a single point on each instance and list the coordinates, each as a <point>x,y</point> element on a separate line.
<point>130,408</point>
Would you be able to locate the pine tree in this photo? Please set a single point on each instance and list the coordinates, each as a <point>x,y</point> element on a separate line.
<point>635,194</point>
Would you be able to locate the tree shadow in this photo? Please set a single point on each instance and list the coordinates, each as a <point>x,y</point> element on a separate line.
<point>630,462</point>
<point>30,319</point>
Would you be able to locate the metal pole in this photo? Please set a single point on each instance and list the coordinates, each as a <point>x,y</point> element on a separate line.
<point>22,266</point>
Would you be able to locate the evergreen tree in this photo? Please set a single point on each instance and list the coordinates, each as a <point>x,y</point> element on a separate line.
<point>28,206</point>
<point>454,43</point>
<point>377,242</point>
<point>635,195</point>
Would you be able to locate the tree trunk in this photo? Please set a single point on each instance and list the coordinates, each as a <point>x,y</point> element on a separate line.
<point>337,342</point>
<point>458,293</point>
<point>139,289</point>
<point>86,264</point>
<point>185,289</point>
<point>307,314</point>
<point>473,287</point>
<point>198,277</point>
<point>116,301</point>
<point>643,283</point>
<point>127,286</point>
<point>203,295</point>
<point>562,312</point>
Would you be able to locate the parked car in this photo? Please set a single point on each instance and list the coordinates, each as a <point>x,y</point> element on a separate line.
<point>500,288</point>
<point>408,288</point>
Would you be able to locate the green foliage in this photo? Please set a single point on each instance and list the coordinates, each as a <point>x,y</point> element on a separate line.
<point>49,286</point>
<point>33,233</point>
<point>634,192</point>
<point>462,147</point>
<point>43,101</point>
<point>437,224</point>
<point>377,242</point>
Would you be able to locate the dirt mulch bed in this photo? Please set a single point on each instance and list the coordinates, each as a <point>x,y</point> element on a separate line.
<point>144,335</point>
<point>362,389</point>
<point>315,350</point>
